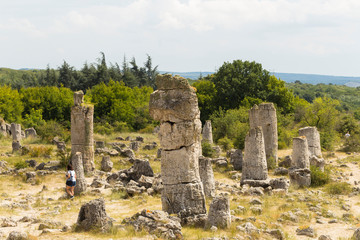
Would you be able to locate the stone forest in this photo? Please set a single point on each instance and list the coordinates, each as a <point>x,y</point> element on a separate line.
<point>161,185</point>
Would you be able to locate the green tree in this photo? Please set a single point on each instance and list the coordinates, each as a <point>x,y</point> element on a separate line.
<point>11,105</point>
<point>206,92</point>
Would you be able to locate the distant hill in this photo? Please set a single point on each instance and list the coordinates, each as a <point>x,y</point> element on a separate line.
<point>289,77</point>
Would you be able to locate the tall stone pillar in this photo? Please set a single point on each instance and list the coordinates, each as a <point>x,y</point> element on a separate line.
<point>207,176</point>
<point>207,132</point>
<point>300,155</point>
<point>254,163</point>
<point>264,115</point>
<point>175,105</point>
<point>16,136</point>
<point>77,163</point>
<point>313,139</point>
<point>82,139</point>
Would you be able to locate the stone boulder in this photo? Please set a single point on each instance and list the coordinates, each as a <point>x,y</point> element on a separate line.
<point>139,168</point>
<point>317,162</point>
<point>30,132</point>
<point>236,159</point>
<point>92,215</point>
<point>16,235</point>
<point>300,177</point>
<point>106,164</point>
<point>219,213</point>
<point>158,223</point>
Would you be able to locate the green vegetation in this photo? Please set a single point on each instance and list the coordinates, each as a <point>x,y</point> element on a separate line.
<point>318,177</point>
<point>207,150</point>
<point>338,188</point>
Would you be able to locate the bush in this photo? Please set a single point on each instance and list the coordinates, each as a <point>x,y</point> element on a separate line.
<point>21,164</point>
<point>319,178</point>
<point>52,129</point>
<point>64,157</point>
<point>338,188</point>
<point>40,151</point>
<point>271,163</point>
<point>103,128</point>
<point>225,143</point>
<point>207,149</point>
<point>352,144</point>
<point>148,129</point>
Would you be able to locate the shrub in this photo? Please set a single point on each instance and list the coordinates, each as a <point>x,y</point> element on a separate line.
<point>338,188</point>
<point>20,164</point>
<point>148,129</point>
<point>352,144</point>
<point>64,157</point>
<point>52,129</point>
<point>40,151</point>
<point>271,163</point>
<point>207,149</point>
<point>225,143</point>
<point>319,178</point>
<point>103,128</point>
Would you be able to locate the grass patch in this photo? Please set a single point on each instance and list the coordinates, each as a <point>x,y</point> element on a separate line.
<point>319,178</point>
<point>38,151</point>
<point>338,188</point>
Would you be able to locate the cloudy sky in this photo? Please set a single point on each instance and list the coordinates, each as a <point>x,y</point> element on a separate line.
<point>295,36</point>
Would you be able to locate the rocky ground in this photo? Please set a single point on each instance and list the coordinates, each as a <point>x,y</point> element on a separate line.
<point>37,205</point>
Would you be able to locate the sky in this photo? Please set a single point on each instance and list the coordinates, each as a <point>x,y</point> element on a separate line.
<point>292,36</point>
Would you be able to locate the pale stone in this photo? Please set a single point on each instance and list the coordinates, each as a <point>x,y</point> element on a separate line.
<point>236,159</point>
<point>181,165</point>
<point>16,146</point>
<point>177,135</point>
<point>78,98</point>
<point>186,196</point>
<point>207,132</point>
<point>300,177</point>
<point>313,138</point>
<point>30,132</point>
<point>106,164</point>
<point>219,213</point>
<point>77,163</point>
<point>82,139</point>
<point>16,132</point>
<point>317,162</point>
<point>207,176</point>
<point>264,115</point>
<point>300,154</point>
<point>254,163</point>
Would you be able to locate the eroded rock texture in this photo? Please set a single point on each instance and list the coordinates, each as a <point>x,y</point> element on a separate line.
<point>264,115</point>
<point>92,215</point>
<point>313,138</point>
<point>175,105</point>
<point>82,139</point>
<point>207,176</point>
<point>254,163</point>
<point>207,132</point>
<point>77,163</point>
<point>219,213</point>
<point>300,154</point>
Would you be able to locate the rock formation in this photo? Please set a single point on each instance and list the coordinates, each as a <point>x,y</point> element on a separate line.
<point>175,105</point>
<point>16,136</point>
<point>207,176</point>
<point>77,163</point>
<point>300,154</point>
<point>30,132</point>
<point>236,159</point>
<point>82,131</point>
<point>219,213</point>
<point>92,215</point>
<point>106,164</point>
<point>254,162</point>
<point>264,115</point>
<point>313,138</point>
<point>207,132</point>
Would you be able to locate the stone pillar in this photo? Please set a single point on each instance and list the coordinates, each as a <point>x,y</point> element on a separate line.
<point>313,139</point>
<point>264,115</point>
<point>300,155</point>
<point>175,105</point>
<point>16,136</point>
<point>82,139</point>
<point>207,132</point>
<point>207,176</point>
<point>77,163</point>
<point>254,165</point>
<point>219,213</point>
<point>16,131</point>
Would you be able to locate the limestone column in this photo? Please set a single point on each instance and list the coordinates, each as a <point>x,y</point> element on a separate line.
<point>254,163</point>
<point>264,115</point>
<point>207,176</point>
<point>313,139</point>
<point>82,139</point>
<point>207,132</point>
<point>300,155</point>
<point>16,136</point>
<point>77,163</point>
<point>175,105</point>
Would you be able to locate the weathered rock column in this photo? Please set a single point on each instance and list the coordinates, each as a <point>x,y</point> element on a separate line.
<point>77,163</point>
<point>313,139</point>
<point>82,139</point>
<point>254,165</point>
<point>264,115</point>
<point>207,132</point>
<point>16,136</point>
<point>207,176</point>
<point>300,155</point>
<point>299,172</point>
<point>175,105</point>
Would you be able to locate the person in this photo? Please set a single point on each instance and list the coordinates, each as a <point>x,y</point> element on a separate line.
<point>70,180</point>
<point>347,135</point>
